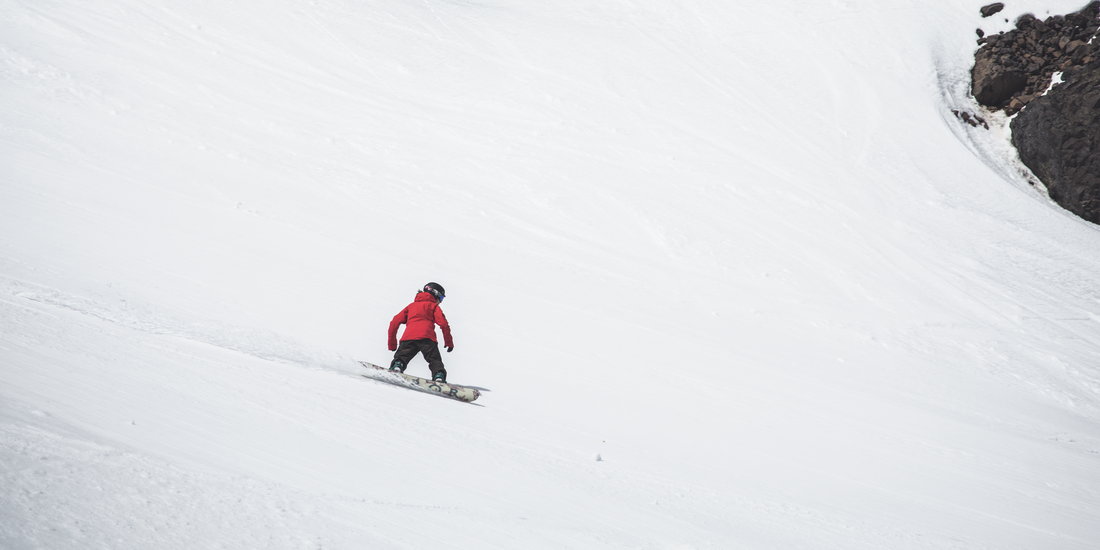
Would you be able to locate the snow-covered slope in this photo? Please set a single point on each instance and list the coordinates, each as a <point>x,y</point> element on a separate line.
<point>743,255</point>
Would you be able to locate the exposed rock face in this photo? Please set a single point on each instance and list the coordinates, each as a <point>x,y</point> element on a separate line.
<point>993,84</point>
<point>1058,137</point>
<point>1015,67</point>
<point>1057,134</point>
<point>992,9</point>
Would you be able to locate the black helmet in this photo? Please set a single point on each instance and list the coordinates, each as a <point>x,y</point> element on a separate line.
<point>435,289</point>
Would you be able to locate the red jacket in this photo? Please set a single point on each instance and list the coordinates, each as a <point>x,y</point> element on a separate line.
<point>420,319</point>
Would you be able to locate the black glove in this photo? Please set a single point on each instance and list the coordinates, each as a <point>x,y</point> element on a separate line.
<point>450,348</point>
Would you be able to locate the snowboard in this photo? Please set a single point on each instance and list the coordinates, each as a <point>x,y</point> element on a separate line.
<point>454,391</point>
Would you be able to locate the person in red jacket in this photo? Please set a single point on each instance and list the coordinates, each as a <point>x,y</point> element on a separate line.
<point>420,319</point>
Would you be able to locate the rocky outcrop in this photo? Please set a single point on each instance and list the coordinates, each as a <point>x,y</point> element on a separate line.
<point>994,84</point>
<point>1013,68</point>
<point>1056,132</point>
<point>1058,138</point>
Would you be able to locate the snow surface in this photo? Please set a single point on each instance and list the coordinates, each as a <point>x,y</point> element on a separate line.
<point>729,276</point>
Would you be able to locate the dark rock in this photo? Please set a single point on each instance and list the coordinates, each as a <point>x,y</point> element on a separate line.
<point>992,9</point>
<point>1081,54</point>
<point>1020,62</point>
<point>992,84</point>
<point>1058,138</point>
<point>973,120</point>
<point>1056,134</point>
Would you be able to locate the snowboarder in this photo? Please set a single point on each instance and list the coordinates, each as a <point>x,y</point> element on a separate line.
<point>420,319</point>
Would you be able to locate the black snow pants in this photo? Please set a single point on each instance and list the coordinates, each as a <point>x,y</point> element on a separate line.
<point>408,349</point>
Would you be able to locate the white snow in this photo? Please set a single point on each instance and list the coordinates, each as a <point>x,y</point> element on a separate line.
<point>729,276</point>
<point>1055,78</point>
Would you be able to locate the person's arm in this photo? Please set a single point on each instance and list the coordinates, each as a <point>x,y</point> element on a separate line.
<point>441,320</point>
<point>398,320</point>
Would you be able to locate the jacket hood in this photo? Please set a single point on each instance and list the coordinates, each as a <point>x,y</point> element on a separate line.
<point>424,297</point>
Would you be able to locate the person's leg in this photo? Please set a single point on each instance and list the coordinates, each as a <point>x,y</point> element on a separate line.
<point>405,352</point>
<point>430,349</point>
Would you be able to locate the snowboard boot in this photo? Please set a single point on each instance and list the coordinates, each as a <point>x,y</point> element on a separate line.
<point>440,377</point>
<point>397,366</point>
